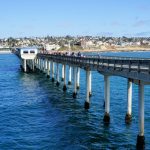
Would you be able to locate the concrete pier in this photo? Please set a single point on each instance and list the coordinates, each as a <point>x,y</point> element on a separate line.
<point>45,66</point>
<point>25,65</point>
<point>137,69</point>
<point>69,81</point>
<point>48,69</point>
<point>140,138</point>
<point>40,65</point>
<point>53,79</point>
<point>33,65</point>
<point>128,116</point>
<point>62,78</point>
<point>37,63</point>
<point>78,78</point>
<point>64,87</point>
<point>90,84</point>
<point>87,102</point>
<point>106,118</point>
<point>75,85</point>
<point>57,83</point>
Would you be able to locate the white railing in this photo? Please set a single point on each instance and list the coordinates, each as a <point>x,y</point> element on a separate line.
<point>94,62</point>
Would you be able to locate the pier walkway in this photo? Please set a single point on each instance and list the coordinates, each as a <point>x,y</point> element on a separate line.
<point>136,70</point>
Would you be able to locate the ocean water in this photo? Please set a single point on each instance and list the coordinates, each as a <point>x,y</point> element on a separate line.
<point>36,114</point>
<point>139,54</point>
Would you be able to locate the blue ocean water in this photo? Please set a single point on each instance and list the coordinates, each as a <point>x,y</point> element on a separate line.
<point>139,54</point>
<point>36,114</point>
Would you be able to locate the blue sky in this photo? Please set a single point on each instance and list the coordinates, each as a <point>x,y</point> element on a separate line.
<point>28,18</point>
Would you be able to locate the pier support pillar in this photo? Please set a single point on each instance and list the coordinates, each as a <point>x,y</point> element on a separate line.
<point>62,79</point>
<point>57,83</point>
<point>53,72</point>
<point>140,138</point>
<point>48,71</point>
<point>69,82</point>
<point>40,65</point>
<point>128,116</point>
<point>78,78</point>
<point>45,66</point>
<point>64,87</point>
<point>25,65</point>
<point>90,84</point>
<point>87,102</point>
<point>106,118</point>
<point>75,85</point>
<point>36,63</point>
<point>33,65</point>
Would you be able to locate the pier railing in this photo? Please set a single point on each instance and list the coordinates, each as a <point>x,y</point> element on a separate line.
<point>137,68</point>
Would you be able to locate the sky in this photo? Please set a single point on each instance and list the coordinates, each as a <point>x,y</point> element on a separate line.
<point>31,18</point>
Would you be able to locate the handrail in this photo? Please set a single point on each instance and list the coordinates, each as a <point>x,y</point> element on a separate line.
<point>123,63</point>
<point>101,57</point>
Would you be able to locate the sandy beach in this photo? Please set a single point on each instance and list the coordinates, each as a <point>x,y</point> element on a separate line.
<point>118,49</point>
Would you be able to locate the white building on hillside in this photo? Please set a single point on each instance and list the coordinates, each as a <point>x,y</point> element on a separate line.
<point>49,47</point>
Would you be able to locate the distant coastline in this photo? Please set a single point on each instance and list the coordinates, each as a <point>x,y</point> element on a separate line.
<point>5,52</point>
<point>118,49</point>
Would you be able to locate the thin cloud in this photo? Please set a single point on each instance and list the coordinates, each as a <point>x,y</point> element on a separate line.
<point>115,24</point>
<point>65,25</point>
<point>144,7</point>
<point>140,23</point>
<point>143,34</point>
<point>105,34</point>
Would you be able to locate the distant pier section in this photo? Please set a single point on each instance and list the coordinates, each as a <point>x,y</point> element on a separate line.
<point>27,56</point>
<point>5,50</point>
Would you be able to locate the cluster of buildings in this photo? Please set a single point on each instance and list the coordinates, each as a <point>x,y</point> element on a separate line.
<point>74,43</point>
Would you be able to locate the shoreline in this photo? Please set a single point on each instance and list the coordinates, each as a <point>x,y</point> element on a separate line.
<point>109,49</point>
<point>5,52</point>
